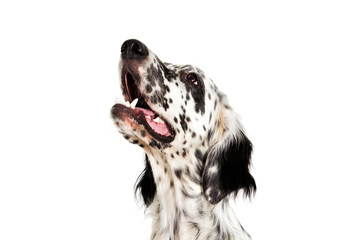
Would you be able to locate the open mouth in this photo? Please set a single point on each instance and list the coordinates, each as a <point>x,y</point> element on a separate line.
<point>135,106</point>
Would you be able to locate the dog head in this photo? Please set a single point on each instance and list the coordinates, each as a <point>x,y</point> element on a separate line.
<point>176,109</point>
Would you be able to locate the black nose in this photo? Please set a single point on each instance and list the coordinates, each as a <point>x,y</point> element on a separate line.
<point>134,49</point>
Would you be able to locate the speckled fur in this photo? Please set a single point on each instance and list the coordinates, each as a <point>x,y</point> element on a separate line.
<point>195,175</point>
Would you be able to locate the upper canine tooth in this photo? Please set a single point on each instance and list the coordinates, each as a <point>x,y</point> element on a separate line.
<point>161,121</point>
<point>134,103</point>
<point>127,104</point>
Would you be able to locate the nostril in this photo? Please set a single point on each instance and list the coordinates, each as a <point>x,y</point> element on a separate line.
<point>137,48</point>
<point>123,47</point>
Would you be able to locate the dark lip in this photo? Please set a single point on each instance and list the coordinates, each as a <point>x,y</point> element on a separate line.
<point>136,114</point>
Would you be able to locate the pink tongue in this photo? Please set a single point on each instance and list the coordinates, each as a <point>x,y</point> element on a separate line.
<point>160,128</point>
<point>146,112</point>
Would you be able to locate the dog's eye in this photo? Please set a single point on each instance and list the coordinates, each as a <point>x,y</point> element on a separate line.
<point>192,78</point>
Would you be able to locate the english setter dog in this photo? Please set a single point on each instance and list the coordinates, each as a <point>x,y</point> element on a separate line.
<point>197,155</point>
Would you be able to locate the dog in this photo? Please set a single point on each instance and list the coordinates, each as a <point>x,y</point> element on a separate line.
<point>197,154</point>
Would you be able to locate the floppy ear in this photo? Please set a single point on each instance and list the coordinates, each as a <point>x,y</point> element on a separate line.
<point>145,184</point>
<point>226,168</point>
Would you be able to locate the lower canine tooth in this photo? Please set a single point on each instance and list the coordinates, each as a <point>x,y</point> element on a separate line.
<point>158,120</point>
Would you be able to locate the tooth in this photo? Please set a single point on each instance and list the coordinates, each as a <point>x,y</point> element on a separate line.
<point>158,120</point>
<point>127,104</point>
<point>134,103</point>
<point>147,117</point>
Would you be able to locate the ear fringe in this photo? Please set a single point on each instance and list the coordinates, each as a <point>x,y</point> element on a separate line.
<point>227,169</point>
<point>145,184</point>
<point>243,149</point>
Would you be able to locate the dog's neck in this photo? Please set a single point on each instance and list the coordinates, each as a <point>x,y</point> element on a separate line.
<point>180,210</point>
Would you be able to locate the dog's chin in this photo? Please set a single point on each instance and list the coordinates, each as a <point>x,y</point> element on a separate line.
<point>141,123</point>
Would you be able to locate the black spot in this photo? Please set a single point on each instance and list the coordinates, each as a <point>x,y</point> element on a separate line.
<point>196,226</point>
<point>176,226</point>
<point>215,104</point>
<point>188,119</point>
<point>188,173</point>
<point>184,152</point>
<point>149,88</point>
<point>142,133</point>
<point>184,142</point>
<point>177,153</point>
<point>178,173</point>
<point>193,134</point>
<point>172,156</point>
<point>135,141</point>
<point>153,143</point>
<point>170,100</point>
<point>165,104</point>
<point>209,96</point>
<point>204,128</point>
<point>210,134</point>
<point>187,97</point>
<point>199,155</point>
<point>218,229</point>
<point>175,120</point>
<point>165,170</point>
<point>183,122</point>
<point>210,116</point>
<point>141,145</point>
<point>172,184</point>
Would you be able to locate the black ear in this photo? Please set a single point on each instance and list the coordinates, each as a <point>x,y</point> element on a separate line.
<point>226,169</point>
<point>145,184</point>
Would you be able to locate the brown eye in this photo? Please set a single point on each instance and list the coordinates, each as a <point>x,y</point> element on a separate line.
<point>192,78</point>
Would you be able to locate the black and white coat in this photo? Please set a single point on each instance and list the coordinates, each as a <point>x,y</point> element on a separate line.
<point>197,154</point>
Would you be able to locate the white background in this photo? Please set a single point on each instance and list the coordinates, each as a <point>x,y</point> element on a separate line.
<point>66,173</point>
